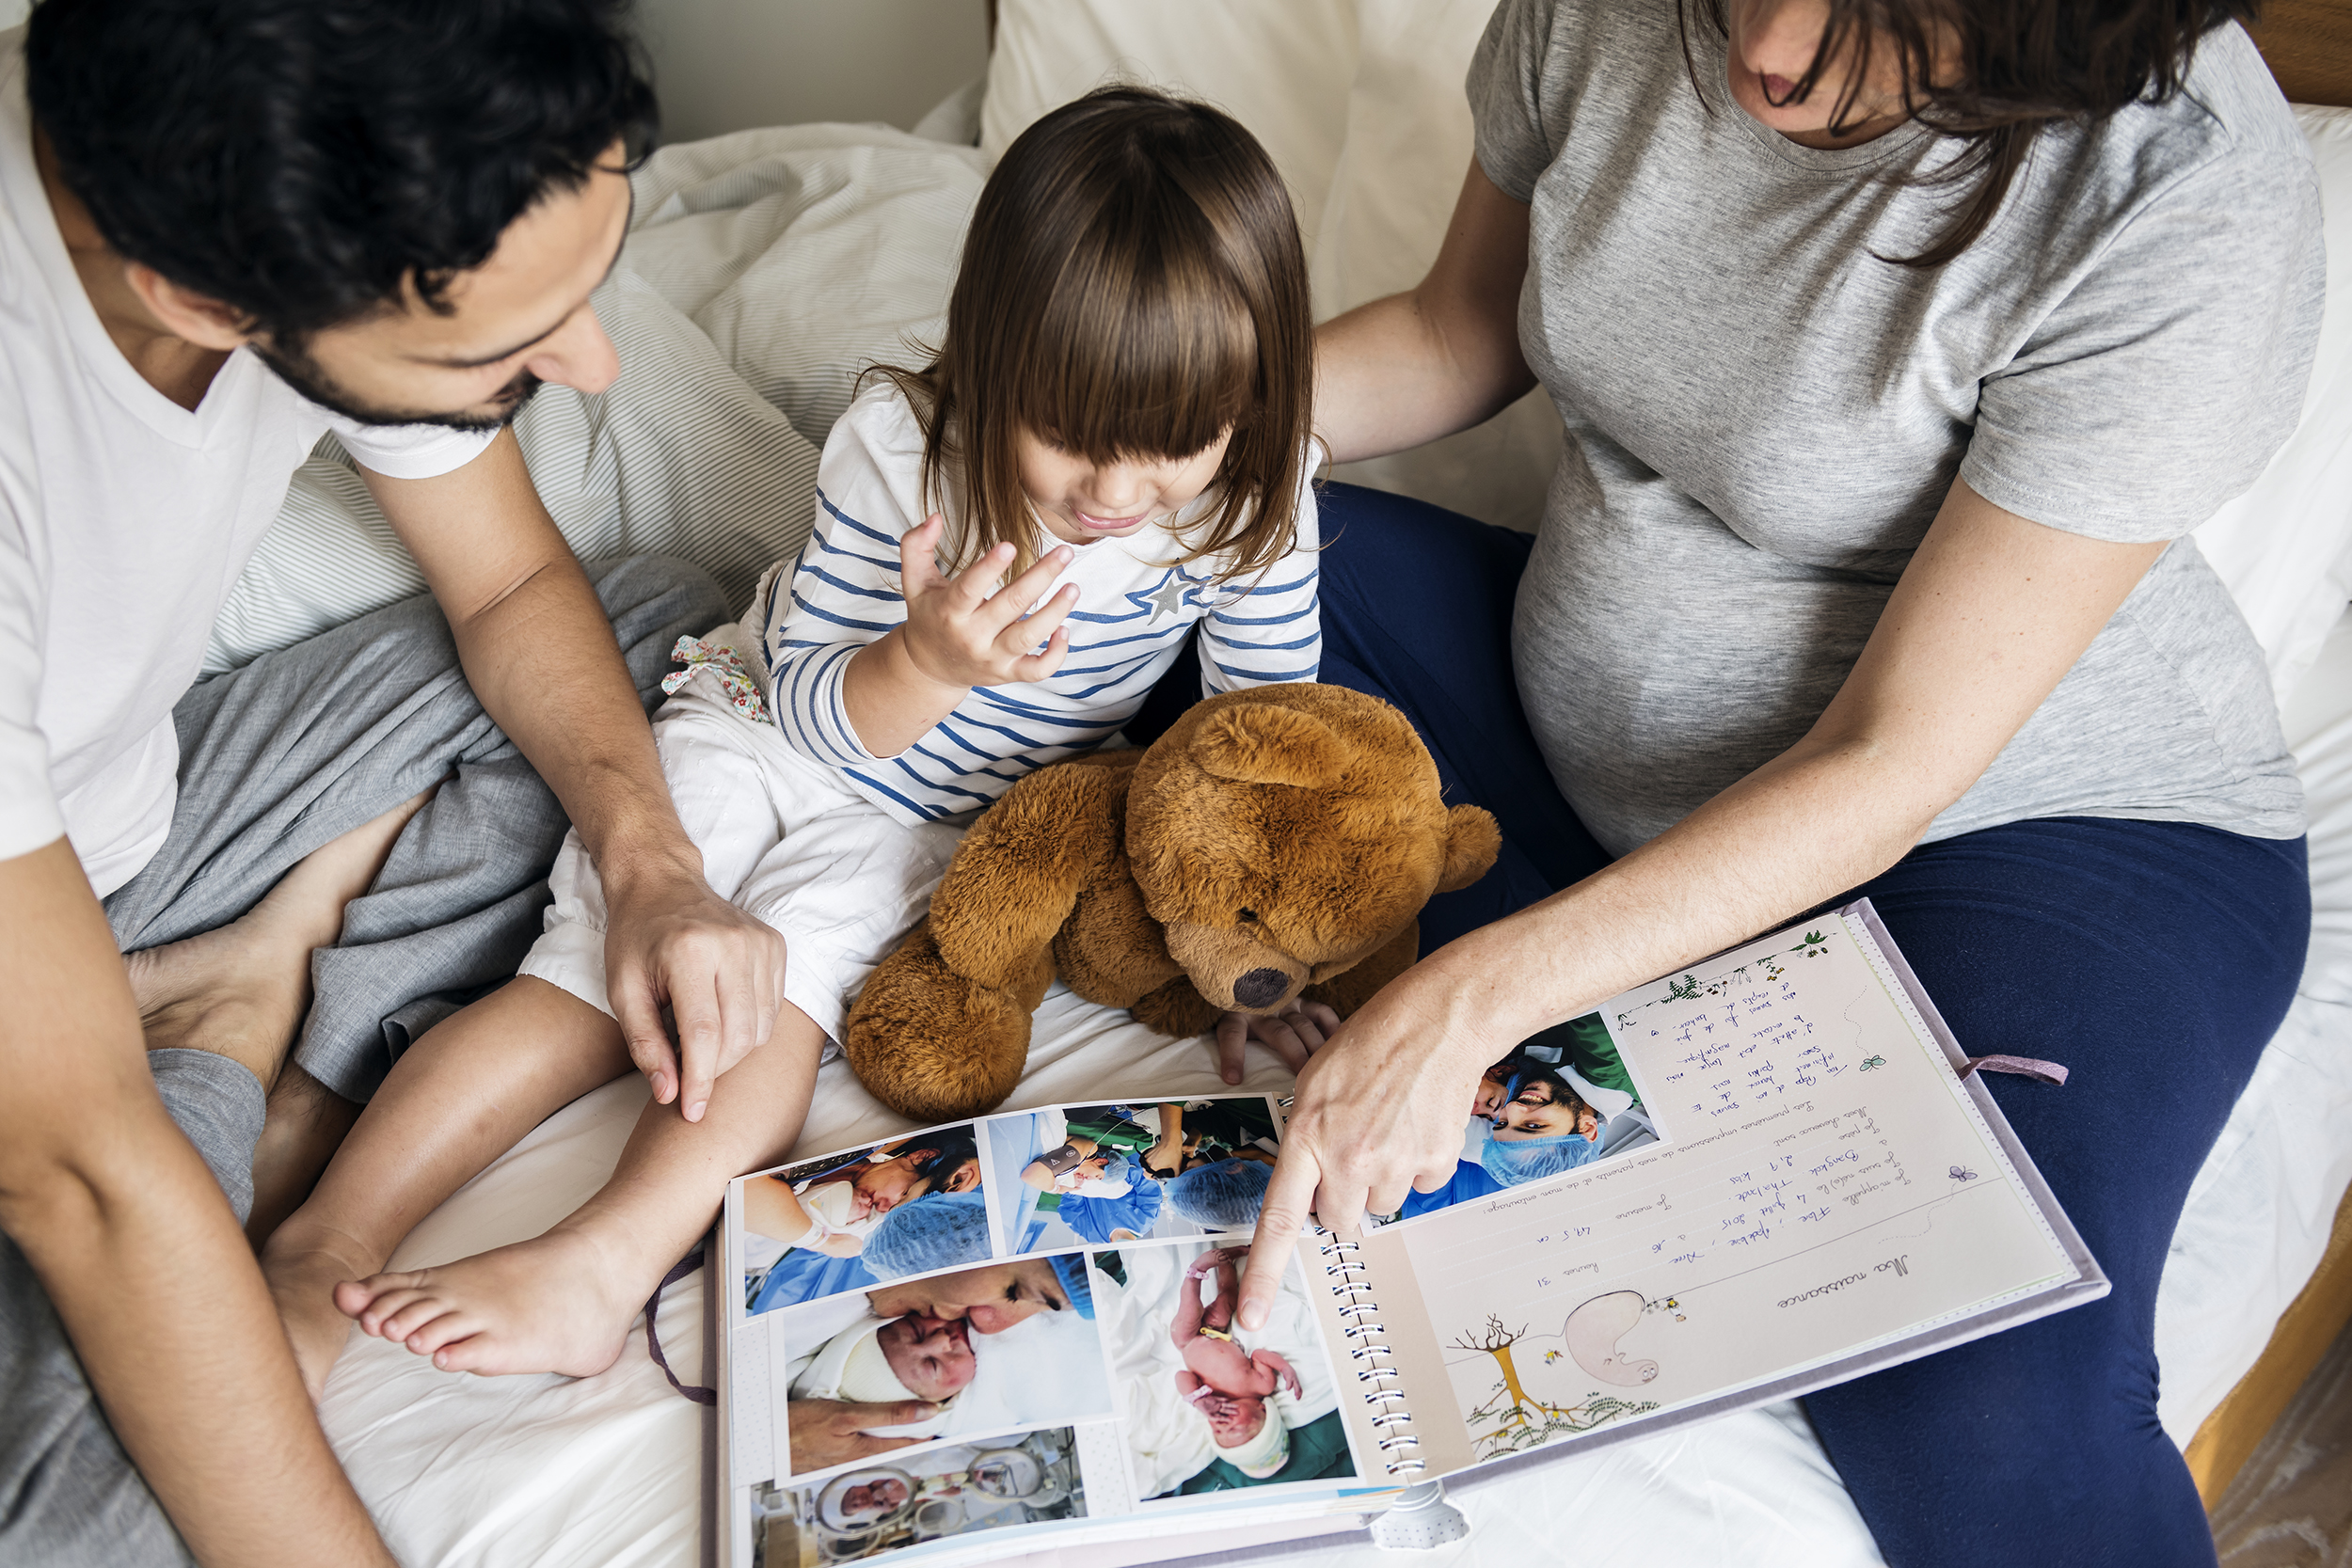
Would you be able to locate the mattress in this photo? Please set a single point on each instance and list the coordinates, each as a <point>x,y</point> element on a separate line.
<point>604,1472</point>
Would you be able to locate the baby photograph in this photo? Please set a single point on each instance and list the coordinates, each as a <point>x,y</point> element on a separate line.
<point>1078,1175</point>
<point>913,1205</point>
<point>1002,1348</point>
<point>905,1499</point>
<point>1561,1100</point>
<point>1207,1405</point>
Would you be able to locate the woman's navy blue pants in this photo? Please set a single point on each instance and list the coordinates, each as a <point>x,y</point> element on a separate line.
<point>2155,960</point>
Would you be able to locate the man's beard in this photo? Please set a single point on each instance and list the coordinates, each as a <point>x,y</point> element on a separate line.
<point>301,373</point>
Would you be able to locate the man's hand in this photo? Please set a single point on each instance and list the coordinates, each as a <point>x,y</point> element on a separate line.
<point>832,1431</point>
<point>720,972</point>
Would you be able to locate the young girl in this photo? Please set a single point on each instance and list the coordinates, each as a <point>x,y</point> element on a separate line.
<point>1120,408</point>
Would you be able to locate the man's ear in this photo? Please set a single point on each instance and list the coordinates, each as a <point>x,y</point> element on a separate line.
<point>195,318</point>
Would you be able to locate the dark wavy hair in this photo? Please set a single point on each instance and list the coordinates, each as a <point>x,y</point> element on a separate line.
<point>302,161</point>
<point>2020,65</point>
<point>951,1150</point>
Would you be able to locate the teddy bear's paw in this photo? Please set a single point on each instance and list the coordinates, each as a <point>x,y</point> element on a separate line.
<point>931,1044</point>
<point>1176,1010</point>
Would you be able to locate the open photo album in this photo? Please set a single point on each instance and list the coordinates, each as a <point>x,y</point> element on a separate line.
<point>1772,1172</point>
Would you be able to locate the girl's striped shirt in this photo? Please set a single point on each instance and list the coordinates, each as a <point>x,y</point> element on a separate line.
<point>1136,610</point>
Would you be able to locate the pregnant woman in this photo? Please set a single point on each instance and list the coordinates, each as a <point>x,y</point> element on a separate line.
<point>1900,344</point>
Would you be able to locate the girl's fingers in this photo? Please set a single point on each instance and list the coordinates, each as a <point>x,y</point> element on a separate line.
<point>1281,1035</point>
<point>1232,1041</point>
<point>974,585</point>
<point>1008,604</point>
<point>1019,637</point>
<point>918,565</point>
<point>1036,667</point>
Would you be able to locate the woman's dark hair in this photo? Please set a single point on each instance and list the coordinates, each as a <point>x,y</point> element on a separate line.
<point>1133,286</point>
<point>2014,65</point>
<point>304,161</point>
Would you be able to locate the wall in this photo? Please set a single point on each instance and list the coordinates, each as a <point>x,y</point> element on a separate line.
<point>724,65</point>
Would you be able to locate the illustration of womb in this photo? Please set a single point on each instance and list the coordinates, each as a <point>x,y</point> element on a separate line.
<point>1593,1331</point>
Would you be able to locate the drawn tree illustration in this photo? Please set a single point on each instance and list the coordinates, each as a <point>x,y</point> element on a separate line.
<point>1497,1340</point>
<point>1521,1422</point>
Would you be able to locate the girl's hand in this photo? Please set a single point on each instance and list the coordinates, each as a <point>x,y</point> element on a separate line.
<point>959,633</point>
<point>1379,1109</point>
<point>1294,1035</point>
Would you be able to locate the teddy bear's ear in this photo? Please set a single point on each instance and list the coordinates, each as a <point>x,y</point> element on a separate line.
<point>1471,843</point>
<point>1260,743</point>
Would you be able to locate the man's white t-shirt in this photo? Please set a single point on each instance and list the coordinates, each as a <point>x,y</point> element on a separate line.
<point>124,520</point>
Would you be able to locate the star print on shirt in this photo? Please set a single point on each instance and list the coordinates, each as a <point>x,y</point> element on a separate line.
<point>1172,594</point>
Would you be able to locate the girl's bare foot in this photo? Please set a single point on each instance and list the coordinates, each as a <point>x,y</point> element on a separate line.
<point>303,1266</point>
<point>562,1303</point>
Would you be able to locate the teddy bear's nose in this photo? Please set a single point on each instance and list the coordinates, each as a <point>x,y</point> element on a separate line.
<point>1261,987</point>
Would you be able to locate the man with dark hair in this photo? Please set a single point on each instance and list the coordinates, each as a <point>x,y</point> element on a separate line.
<point>227,229</point>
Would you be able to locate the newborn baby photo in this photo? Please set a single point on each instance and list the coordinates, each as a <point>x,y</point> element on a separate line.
<point>853,1220</point>
<point>1003,1347</point>
<point>1075,1175</point>
<point>1208,1405</point>
<point>1560,1100</point>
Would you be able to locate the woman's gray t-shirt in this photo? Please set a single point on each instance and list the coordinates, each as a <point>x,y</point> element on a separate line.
<point>1763,415</point>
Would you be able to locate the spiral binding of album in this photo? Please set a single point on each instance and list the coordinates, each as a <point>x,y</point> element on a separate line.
<point>1372,1360</point>
<point>1368,1352</point>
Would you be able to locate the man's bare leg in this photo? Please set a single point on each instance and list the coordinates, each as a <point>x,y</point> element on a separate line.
<point>463,1095</point>
<point>240,992</point>
<point>564,1303</point>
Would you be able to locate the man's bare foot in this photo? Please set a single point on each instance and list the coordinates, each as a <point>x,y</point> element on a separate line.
<point>240,992</point>
<point>305,1124</point>
<point>560,1303</point>
<point>303,1265</point>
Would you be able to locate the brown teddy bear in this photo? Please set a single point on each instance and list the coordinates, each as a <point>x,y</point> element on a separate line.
<point>1275,843</point>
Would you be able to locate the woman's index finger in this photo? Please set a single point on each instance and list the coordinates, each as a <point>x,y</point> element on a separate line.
<point>1282,1217</point>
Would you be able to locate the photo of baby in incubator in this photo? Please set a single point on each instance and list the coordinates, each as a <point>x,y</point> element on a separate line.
<point>904,1501</point>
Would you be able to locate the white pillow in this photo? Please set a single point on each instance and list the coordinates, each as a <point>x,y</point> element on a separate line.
<point>2285,546</point>
<point>715,474</point>
<point>1280,67</point>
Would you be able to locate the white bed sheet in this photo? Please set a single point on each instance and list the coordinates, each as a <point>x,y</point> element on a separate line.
<point>603,1472</point>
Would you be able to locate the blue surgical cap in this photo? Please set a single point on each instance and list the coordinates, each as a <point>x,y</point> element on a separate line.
<point>1522,1160</point>
<point>1070,1268</point>
<point>938,1230</point>
<point>1220,1198</point>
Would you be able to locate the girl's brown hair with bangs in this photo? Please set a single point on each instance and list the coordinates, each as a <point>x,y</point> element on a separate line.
<point>1132,285</point>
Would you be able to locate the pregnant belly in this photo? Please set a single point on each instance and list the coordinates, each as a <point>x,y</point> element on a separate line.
<point>1654,680</point>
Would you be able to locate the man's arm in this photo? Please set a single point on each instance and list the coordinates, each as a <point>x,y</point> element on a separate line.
<point>138,1249</point>
<point>540,654</point>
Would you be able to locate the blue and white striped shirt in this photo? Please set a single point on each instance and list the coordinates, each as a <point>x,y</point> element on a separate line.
<point>1134,613</point>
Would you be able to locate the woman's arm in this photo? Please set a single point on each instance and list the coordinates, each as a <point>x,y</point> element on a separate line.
<point>1406,370</point>
<point>1992,612</point>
